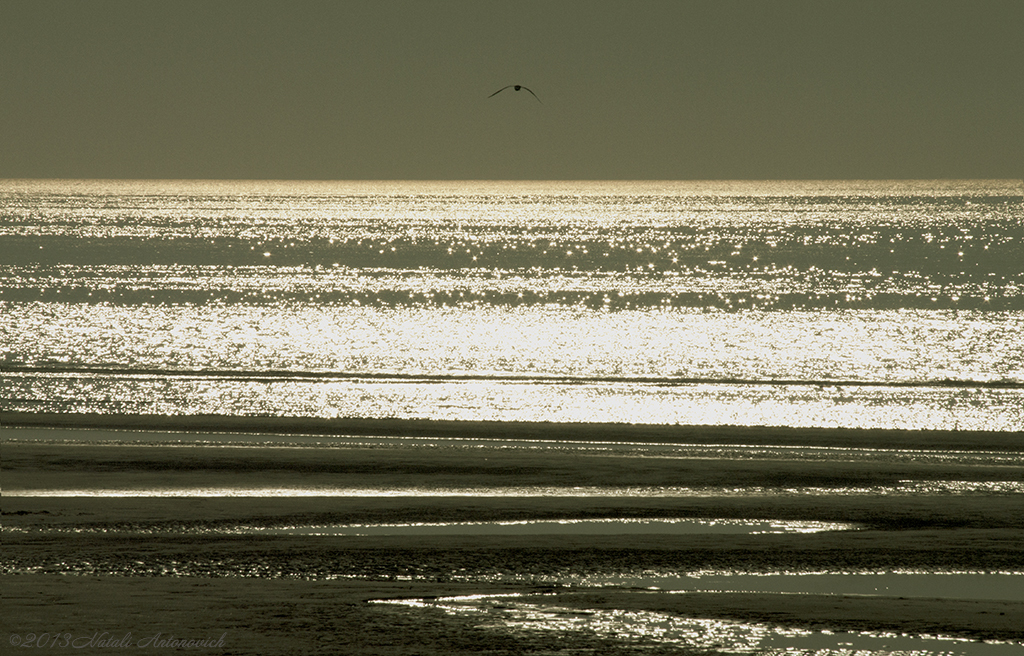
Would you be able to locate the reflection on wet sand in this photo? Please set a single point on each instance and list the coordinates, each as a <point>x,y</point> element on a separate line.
<point>904,488</point>
<point>1007,586</point>
<point>618,526</point>
<point>512,613</point>
<point>573,527</point>
<point>664,540</point>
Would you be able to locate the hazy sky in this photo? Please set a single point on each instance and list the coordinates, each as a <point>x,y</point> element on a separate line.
<point>398,89</point>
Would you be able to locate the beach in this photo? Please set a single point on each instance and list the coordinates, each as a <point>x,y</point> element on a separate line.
<point>131,525</point>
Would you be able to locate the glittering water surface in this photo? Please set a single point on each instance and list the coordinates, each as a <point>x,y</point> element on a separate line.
<point>723,636</point>
<point>860,304</point>
<point>625,526</point>
<point>1006,586</point>
<point>895,304</point>
<point>226,440</point>
<point>929,488</point>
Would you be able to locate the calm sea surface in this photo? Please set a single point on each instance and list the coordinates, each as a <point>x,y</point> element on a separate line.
<point>862,304</point>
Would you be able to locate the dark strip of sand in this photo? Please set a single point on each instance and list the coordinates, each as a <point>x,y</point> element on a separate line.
<point>585,432</point>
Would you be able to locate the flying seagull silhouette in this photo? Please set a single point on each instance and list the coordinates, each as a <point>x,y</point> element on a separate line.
<point>517,87</point>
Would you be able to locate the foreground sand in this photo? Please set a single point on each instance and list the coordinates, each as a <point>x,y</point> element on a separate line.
<point>332,617</point>
<point>150,564</point>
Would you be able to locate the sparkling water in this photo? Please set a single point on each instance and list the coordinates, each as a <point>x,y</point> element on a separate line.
<point>860,304</point>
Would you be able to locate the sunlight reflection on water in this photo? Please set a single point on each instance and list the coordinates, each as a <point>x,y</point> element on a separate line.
<point>575,527</point>
<point>907,488</point>
<point>135,284</point>
<point>614,526</point>
<point>658,402</point>
<point>505,613</point>
<point>1006,586</point>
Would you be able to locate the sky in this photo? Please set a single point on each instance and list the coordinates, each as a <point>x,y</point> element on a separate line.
<point>398,89</point>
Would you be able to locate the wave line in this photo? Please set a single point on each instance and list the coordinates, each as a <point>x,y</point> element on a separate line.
<point>551,379</point>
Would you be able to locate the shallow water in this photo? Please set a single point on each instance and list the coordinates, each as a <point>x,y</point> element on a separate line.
<point>1006,586</point>
<point>802,404</point>
<point>732,637</point>
<point>160,438</point>
<point>909,488</point>
<point>572,527</point>
<point>625,526</point>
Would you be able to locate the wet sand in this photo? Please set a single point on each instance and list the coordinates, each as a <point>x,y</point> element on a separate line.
<point>592,432</point>
<point>149,564</point>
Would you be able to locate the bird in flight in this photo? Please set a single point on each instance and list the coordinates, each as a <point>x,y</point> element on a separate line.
<point>517,87</point>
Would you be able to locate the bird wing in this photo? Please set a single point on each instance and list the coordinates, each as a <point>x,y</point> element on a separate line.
<point>502,89</point>
<point>533,94</point>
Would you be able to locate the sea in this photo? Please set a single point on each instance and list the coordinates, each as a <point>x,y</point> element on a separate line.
<point>860,304</point>
<point>855,304</point>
